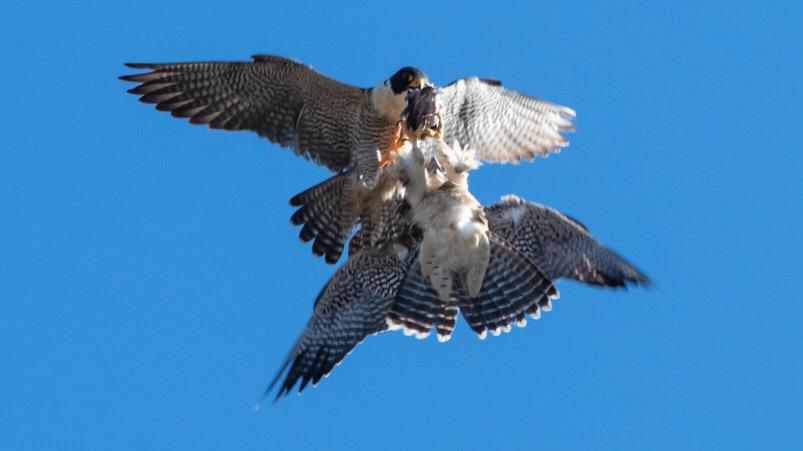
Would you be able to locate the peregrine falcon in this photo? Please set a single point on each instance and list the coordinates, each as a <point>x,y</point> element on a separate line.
<point>349,130</point>
<point>380,288</point>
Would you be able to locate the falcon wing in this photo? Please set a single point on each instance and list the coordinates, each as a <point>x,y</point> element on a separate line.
<point>559,245</point>
<point>502,125</point>
<point>284,101</point>
<point>352,306</point>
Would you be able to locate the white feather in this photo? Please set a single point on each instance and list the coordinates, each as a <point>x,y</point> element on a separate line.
<point>386,102</point>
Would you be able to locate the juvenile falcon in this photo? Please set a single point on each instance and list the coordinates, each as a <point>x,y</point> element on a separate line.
<point>455,231</point>
<point>380,288</point>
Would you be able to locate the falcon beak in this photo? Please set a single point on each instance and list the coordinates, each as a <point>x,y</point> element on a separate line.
<point>419,83</point>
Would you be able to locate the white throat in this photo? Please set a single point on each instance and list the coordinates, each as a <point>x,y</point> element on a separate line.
<point>386,103</point>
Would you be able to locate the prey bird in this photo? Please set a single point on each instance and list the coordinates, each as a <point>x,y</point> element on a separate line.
<point>455,231</point>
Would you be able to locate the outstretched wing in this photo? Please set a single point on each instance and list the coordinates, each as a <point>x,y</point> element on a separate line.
<point>558,245</point>
<point>502,125</point>
<point>352,306</point>
<point>282,100</point>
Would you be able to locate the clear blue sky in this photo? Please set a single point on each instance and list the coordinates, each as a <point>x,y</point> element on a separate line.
<point>151,283</point>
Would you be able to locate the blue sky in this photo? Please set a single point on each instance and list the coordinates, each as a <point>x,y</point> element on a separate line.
<point>151,283</point>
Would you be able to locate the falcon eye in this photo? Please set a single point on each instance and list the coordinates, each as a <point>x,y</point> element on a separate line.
<point>410,77</point>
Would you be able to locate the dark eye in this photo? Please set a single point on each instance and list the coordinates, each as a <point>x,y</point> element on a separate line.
<point>410,77</point>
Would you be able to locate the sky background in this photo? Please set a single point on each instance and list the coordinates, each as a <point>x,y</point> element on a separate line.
<point>151,284</point>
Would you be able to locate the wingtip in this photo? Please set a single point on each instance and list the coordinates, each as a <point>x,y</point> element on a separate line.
<point>138,65</point>
<point>644,281</point>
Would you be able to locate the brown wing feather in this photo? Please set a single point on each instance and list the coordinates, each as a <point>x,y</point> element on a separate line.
<point>284,101</point>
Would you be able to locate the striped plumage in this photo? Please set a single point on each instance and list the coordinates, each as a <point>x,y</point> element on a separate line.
<point>559,245</point>
<point>352,306</point>
<point>349,130</point>
<point>499,124</point>
<point>513,289</point>
<point>321,119</point>
<point>329,211</point>
<point>495,123</point>
<point>321,224</point>
<point>382,287</point>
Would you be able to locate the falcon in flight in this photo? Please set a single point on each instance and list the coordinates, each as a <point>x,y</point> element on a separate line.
<point>382,287</point>
<point>351,131</point>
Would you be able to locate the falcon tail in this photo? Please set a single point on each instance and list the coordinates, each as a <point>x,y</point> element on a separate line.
<point>323,218</point>
<point>418,308</point>
<point>513,289</point>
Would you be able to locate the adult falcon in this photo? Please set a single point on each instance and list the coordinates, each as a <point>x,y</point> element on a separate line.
<point>349,130</point>
<point>381,287</point>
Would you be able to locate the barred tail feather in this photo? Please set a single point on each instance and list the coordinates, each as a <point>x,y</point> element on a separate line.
<point>417,308</point>
<point>513,288</point>
<point>321,215</point>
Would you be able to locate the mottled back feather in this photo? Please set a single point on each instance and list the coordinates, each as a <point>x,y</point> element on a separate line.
<point>560,246</point>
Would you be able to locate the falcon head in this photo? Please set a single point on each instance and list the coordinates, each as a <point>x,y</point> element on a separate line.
<point>390,96</point>
<point>407,78</point>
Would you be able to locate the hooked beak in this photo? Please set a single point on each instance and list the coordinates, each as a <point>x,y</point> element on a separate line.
<point>420,83</point>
